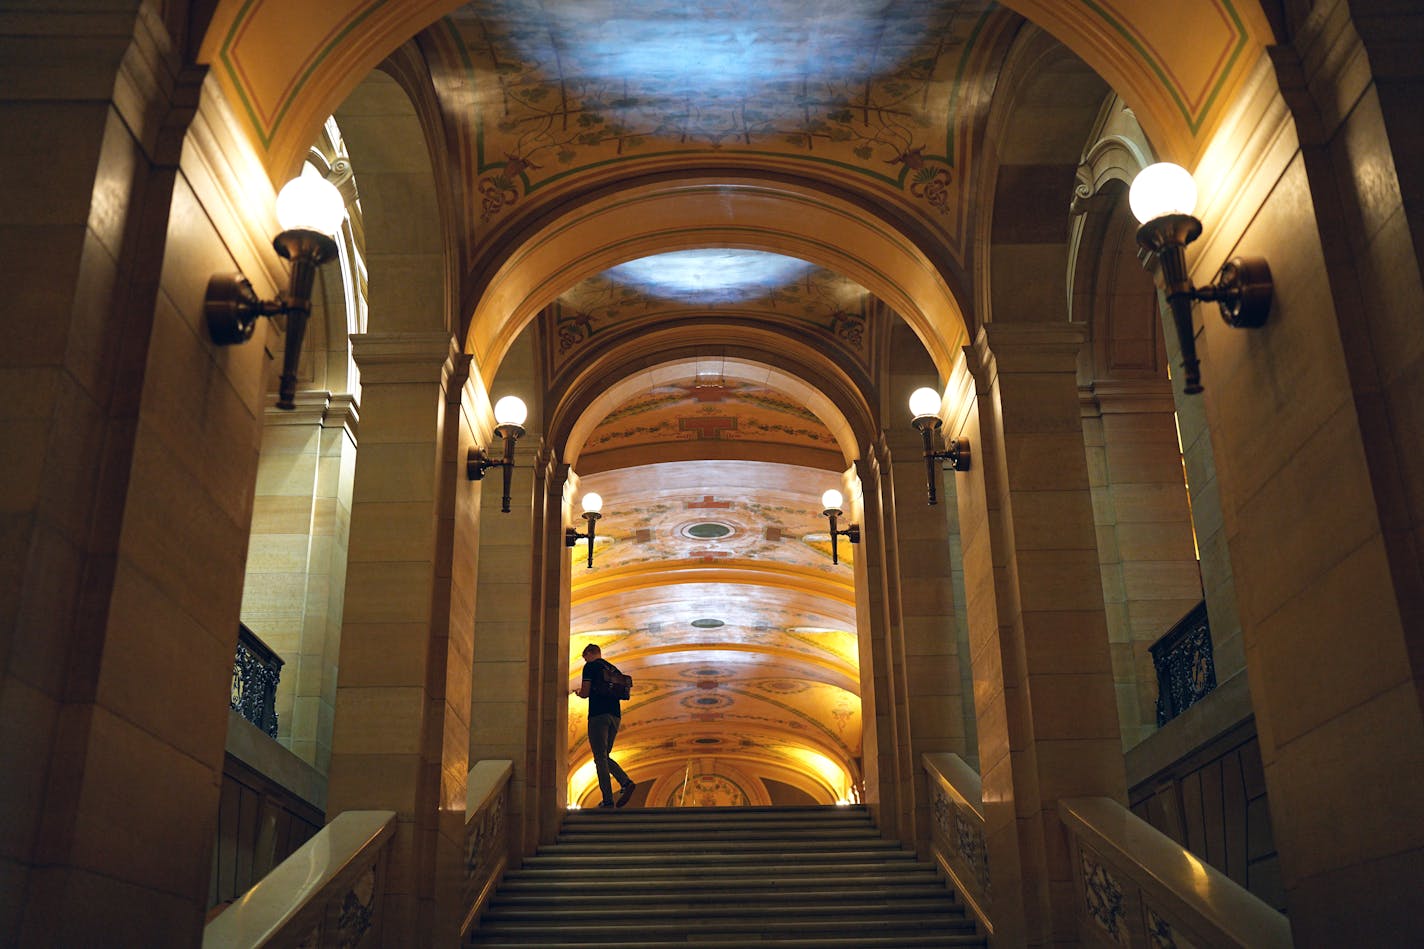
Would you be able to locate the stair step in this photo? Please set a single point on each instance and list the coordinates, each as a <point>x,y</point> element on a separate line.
<point>722,928</point>
<point>761,874</point>
<point>707,909</point>
<point>863,941</point>
<point>724,877</point>
<point>680,894</point>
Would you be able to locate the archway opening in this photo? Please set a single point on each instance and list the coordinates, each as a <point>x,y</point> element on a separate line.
<point>713,586</point>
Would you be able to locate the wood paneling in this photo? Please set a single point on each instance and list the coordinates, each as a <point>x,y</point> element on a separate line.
<point>260,824</point>
<point>1213,802</point>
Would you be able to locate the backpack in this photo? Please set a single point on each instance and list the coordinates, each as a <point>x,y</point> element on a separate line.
<point>612,684</point>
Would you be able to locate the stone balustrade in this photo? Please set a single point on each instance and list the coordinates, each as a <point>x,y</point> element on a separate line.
<point>1138,887</point>
<point>325,894</point>
<point>486,834</point>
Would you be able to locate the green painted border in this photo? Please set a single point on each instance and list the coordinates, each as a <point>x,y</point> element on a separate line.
<point>266,134</point>
<point>1193,122</point>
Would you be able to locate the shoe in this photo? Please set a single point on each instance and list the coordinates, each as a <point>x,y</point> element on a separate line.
<point>626,794</point>
<point>606,804</point>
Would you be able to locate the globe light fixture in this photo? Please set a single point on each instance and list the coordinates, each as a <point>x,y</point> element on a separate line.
<point>924,409</point>
<point>592,511</point>
<point>1162,198</point>
<point>509,415</point>
<point>831,501</point>
<point>310,210</point>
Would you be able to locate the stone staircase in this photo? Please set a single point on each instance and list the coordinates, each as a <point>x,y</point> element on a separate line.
<point>722,878</point>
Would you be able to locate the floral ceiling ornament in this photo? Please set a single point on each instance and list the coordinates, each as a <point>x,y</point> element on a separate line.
<point>564,85</point>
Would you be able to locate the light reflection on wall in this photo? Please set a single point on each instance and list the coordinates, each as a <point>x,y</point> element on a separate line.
<point>710,276</point>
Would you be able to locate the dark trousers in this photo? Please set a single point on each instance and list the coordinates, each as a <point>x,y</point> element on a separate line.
<point>602,729</point>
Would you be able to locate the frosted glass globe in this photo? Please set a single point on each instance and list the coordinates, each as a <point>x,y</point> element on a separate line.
<point>592,503</point>
<point>924,402</point>
<point>310,203</point>
<point>510,410</point>
<point>1162,189</point>
<point>831,500</point>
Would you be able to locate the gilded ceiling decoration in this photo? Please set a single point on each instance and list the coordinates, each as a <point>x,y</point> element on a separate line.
<point>747,77</point>
<point>714,594</point>
<point>885,92</point>
<point>816,303</point>
<point>712,412</point>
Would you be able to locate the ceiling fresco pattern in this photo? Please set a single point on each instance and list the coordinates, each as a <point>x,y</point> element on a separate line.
<point>712,411</point>
<point>825,306</point>
<point>713,592</point>
<point>886,92</point>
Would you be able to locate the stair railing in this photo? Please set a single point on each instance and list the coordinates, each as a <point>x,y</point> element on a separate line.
<point>327,893</point>
<point>1138,887</point>
<point>486,835</point>
<point>957,831</point>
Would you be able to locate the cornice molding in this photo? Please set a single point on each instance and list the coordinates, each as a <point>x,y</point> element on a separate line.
<point>402,357</point>
<point>1126,397</point>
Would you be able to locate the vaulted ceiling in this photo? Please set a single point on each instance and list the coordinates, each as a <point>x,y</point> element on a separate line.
<point>708,192</point>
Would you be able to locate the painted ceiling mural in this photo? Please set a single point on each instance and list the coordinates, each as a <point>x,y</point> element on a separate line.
<point>713,411</point>
<point>713,588</point>
<point>719,282</point>
<point>886,92</point>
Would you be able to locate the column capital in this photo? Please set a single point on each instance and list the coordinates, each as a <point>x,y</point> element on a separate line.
<point>1029,347</point>
<point>1127,397</point>
<point>402,357</point>
<point>318,407</point>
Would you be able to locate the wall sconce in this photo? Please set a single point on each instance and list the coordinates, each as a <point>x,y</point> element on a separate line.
<point>924,406</point>
<point>592,511</point>
<point>310,210</point>
<point>1162,198</point>
<point>509,415</point>
<point>831,501</point>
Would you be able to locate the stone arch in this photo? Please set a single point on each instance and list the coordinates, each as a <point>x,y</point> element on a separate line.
<point>655,217</point>
<point>750,355</point>
<point>1045,104</point>
<point>286,73</point>
<point>401,205</point>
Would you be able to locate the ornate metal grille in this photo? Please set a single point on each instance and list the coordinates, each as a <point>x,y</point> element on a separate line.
<point>1185,671</point>
<point>255,672</point>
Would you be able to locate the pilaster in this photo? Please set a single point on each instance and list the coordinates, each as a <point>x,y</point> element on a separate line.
<point>1047,717</point>
<point>390,744</point>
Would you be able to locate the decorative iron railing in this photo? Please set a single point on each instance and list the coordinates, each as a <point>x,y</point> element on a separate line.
<point>256,670</point>
<point>1185,671</point>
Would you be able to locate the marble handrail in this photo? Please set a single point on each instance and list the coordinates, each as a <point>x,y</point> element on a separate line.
<point>324,893</point>
<point>1137,886</point>
<point>957,830</point>
<point>486,834</point>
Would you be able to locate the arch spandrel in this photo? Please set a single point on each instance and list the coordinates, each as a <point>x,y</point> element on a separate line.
<point>1179,90</point>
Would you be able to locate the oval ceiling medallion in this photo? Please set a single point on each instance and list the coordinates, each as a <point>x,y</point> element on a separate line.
<point>708,622</point>
<point>707,530</point>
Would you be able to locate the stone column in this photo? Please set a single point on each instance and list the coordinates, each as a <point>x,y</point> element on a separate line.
<point>295,584</point>
<point>884,676</point>
<point>398,742</point>
<point>131,447</point>
<point>505,719</point>
<point>927,616</point>
<point>1144,532</point>
<point>1044,699</point>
